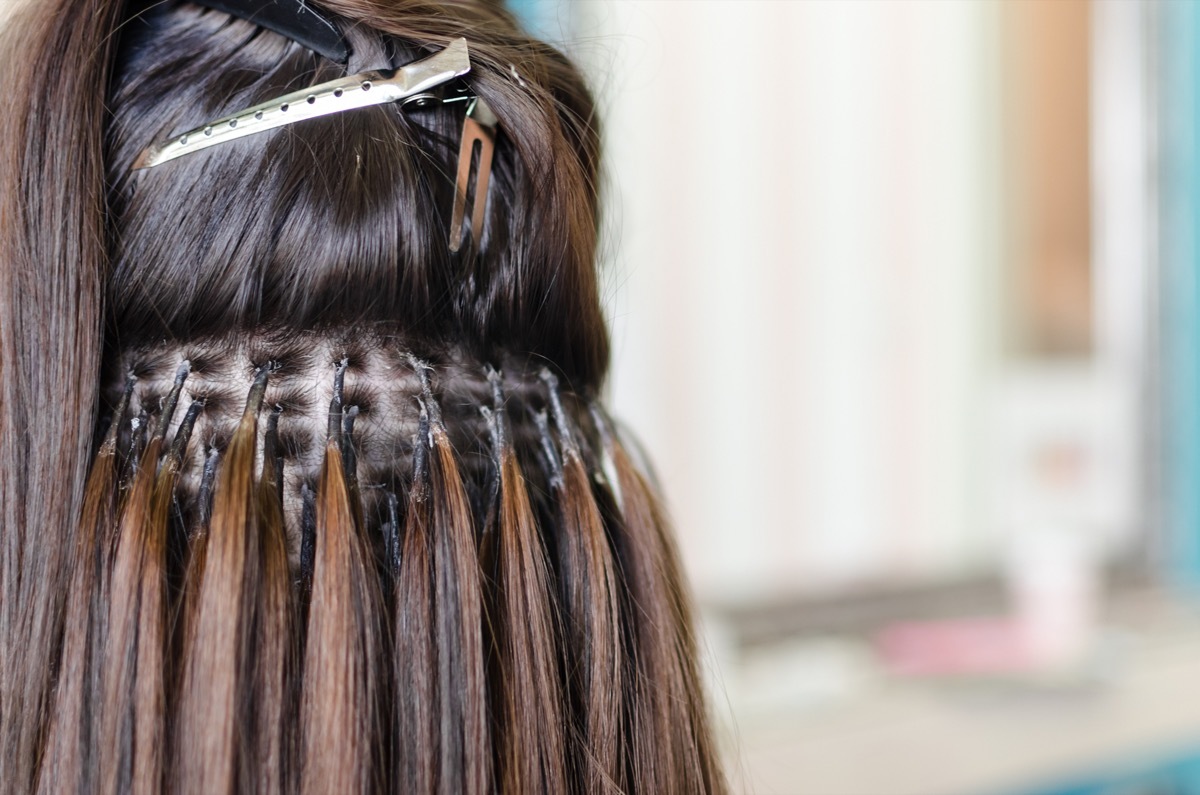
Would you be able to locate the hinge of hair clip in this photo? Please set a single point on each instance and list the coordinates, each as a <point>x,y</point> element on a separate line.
<point>406,84</point>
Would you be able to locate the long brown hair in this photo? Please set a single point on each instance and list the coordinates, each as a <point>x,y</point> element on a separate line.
<point>292,497</point>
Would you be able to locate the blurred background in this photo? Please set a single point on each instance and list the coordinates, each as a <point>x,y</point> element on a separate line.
<point>906,313</point>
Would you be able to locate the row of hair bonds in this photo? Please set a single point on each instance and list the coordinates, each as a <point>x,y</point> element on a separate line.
<point>156,621</point>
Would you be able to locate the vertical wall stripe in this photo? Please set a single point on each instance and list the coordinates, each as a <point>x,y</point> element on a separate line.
<point>1180,207</point>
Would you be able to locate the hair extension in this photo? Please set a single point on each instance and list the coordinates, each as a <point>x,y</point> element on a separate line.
<point>459,601</point>
<point>220,647</point>
<point>588,578</point>
<point>440,568</point>
<point>194,562</point>
<point>134,704</point>
<point>417,729</point>
<point>341,666</point>
<point>529,710</point>
<point>135,624</point>
<point>269,711</point>
<point>671,751</point>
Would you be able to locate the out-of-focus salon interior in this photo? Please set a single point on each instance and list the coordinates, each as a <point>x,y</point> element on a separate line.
<point>906,311</point>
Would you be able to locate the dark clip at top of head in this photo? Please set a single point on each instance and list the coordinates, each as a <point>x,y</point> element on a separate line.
<point>294,19</point>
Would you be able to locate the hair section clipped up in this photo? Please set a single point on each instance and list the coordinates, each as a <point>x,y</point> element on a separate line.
<point>305,479</point>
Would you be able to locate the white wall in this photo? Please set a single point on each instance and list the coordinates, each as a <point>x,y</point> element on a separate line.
<point>801,247</point>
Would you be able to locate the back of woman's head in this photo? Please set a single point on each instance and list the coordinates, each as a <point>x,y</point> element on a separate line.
<point>295,496</point>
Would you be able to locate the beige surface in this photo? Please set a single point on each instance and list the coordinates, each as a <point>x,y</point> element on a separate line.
<point>939,739</point>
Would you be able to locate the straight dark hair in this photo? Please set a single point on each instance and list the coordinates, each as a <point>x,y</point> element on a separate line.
<point>292,497</point>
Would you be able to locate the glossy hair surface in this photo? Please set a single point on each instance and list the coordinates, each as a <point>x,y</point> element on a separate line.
<point>292,498</point>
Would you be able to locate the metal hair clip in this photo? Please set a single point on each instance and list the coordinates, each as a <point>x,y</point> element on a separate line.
<point>478,126</point>
<point>415,82</point>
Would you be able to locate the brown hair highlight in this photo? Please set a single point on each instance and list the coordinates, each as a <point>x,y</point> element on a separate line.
<point>339,701</point>
<point>529,716</point>
<point>219,644</point>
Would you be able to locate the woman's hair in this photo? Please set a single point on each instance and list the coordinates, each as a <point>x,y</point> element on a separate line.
<point>292,497</point>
